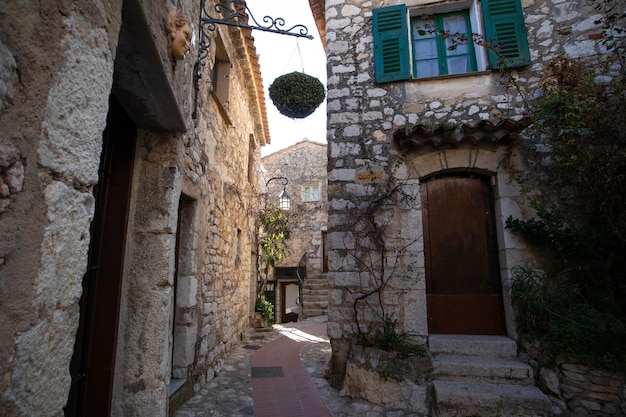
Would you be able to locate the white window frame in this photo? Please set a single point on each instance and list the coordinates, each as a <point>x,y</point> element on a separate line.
<point>305,195</point>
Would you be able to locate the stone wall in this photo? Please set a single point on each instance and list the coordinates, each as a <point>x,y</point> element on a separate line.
<point>59,63</point>
<point>302,163</point>
<point>584,390</point>
<point>56,65</point>
<point>390,379</point>
<point>364,162</point>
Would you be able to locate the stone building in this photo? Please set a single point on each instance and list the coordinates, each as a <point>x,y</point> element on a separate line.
<point>421,179</point>
<point>128,186</point>
<point>304,166</point>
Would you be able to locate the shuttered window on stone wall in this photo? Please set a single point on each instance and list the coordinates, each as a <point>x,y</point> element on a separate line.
<point>504,26</point>
<point>435,55</point>
<point>391,44</point>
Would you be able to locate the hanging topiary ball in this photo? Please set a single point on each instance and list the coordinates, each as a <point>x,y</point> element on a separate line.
<point>297,95</point>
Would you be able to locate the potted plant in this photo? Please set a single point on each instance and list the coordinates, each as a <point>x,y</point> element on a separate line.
<point>297,94</point>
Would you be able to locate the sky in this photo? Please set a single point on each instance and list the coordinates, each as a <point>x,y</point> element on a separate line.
<point>282,54</point>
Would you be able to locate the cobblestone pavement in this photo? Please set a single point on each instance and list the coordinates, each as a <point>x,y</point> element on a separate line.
<point>229,394</point>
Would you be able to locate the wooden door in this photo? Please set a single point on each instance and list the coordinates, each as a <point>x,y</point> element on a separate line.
<point>93,361</point>
<point>463,290</point>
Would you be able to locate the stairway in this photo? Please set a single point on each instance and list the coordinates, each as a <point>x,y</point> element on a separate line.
<point>481,376</point>
<point>315,296</point>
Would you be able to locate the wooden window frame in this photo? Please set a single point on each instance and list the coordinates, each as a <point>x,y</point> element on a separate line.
<point>442,45</point>
<point>503,22</point>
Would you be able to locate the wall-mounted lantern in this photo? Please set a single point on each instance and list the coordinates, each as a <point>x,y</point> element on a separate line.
<point>284,202</point>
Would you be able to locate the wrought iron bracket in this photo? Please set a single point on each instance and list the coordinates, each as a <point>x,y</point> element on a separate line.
<point>236,13</point>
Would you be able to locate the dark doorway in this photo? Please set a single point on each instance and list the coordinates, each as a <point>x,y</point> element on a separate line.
<point>463,290</point>
<point>93,363</point>
<point>324,252</point>
<point>289,301</point>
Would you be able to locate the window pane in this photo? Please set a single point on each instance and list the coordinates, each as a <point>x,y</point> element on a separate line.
<point>457,28</point>
<point>426,49</point>
<point>310,193</point>
<point>423,29</point>
<point>427,68</point>
<point>455,24</point>
<point>459,65</point>
<point>457,50</point>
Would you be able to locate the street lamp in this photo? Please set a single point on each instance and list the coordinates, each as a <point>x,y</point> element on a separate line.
<point>283,198</point>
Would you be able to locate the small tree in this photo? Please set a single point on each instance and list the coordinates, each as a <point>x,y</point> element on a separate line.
<point>273,232</point>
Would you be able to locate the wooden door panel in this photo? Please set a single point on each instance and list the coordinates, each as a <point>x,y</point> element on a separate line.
<point>461,257</point>
<point>465,314</point>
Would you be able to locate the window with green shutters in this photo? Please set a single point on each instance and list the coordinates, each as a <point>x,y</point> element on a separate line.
<point>433,55</point>
<point>391,44</point>
<point>504,26</point>
<point>417,50</point>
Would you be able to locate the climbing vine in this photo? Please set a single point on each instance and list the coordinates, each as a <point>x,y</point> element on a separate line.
<point>381,254</point>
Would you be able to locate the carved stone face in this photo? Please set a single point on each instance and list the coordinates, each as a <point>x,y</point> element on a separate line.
<point>181,37</point>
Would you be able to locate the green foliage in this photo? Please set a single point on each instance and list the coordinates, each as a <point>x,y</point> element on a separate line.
<point>274,233</point>
<point>297,95</point>
<point>565,322</point>
<point>579,308</point>
<point>388,338</point>
<point>265,308</point>
<point>394,341</point>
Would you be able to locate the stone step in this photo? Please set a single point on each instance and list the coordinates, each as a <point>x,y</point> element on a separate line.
<point>320,293</point>
<point>317,297</point>
<point>463,398</point>
<point>316,306</point>
<point>320,278</point>
<point>319,275</point>
<point>317,278</point>
<point>315,313</point>
<point>308,296</point>
<point>492,346</point>
<point>316,285</point>
<point>482,368</point>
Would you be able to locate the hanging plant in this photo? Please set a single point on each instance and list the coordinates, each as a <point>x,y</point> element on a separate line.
<point>297,95</point>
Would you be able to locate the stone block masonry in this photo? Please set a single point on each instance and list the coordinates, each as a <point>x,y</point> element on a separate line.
<point>364,159</point>
<point>70,74</point>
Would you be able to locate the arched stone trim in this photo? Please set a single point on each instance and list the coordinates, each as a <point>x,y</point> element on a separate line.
<point>450,160</point>
<point>507,202</point>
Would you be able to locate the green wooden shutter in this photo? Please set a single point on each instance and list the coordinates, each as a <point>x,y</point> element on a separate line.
<point>504,23</point>
<point>391,44</point>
